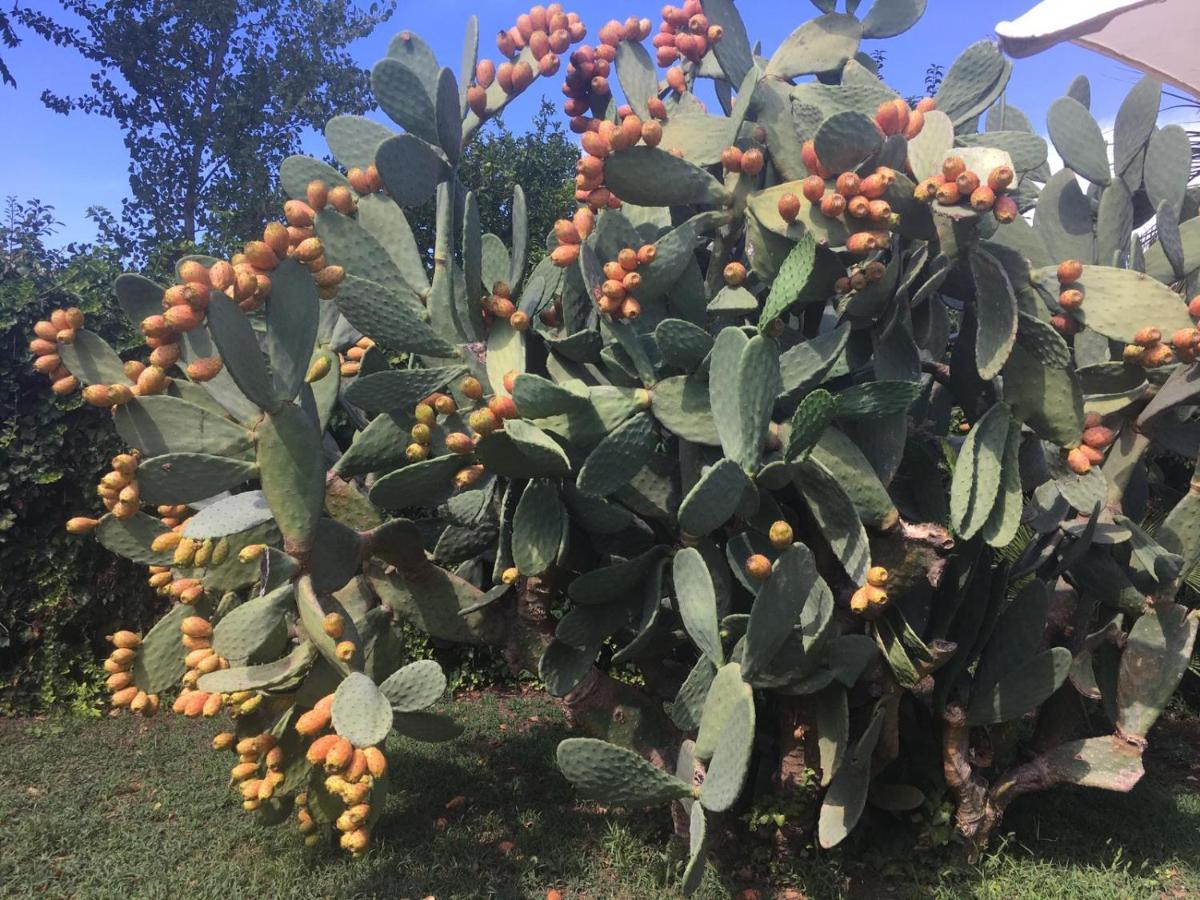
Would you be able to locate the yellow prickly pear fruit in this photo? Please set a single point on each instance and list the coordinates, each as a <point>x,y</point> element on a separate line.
<point>251,552</point>
<point>129,493</point>
<point>510,575</point>
<point>319,749</point>
<point>312,722</point>
<point>203,554</point>
<point>376,761</point>
<point>124,696</point>
<point>359,814</point>
<point>125,640</point>
<point>190,678</point>
<point>242,771</point>
<point>312,840</point>
<point>195,626</point>
<point>339,755</point>
<point>344,650</point>
<point>319,369</point>
<point>758,567</point>
<point>152,703</point>
<point>159,579</point>
<point>306,823</point>
<point>781,534</point>
<point>224,740</point>
<point>356,841</point>
<point>220,552</point>
<point>118,681</point>
<point>140,701</point>
<point>124,656</point>
<point>336,785</point>
<point>357,768</point>
<point>334,625</point>
<point>275,758</point>
<point>249,706</point>
<point>266,789</point>
<point>249,789</point>
<point>81,525</point>
<point>877,576</point>
<point>248,745</point>
<point>251,805</point>
<point>97,394</point>
<point>357,792</point>
<point>1078,462</point>
<point>185,551</point>
<point>344,823</point>
<point>112,668</point>
<point>167,541</point>
<point>210,663</point>
<point>124,510</point>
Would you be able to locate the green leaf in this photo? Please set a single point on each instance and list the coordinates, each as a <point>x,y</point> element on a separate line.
<point>792,281</point>
<point>603,771</point>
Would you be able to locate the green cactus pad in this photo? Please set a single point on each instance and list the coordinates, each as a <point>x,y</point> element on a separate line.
<point>714,498</point>
<point>618,457</point>
<point>603,771</point>
<point>354,140</point>
<point>1105,762</point>
<point>1020,690</point>
<point>256,631</point>
<point>417,484</point>
<point>161,424</point>
<point>1027,151</point>
<point>275,675</point>
<point>1045,397</point>
<point>764,207</point>
<point>1156,655</point>
<point>636,74</point>
<point>731,758</point>
<point>406,100</point>
<point>681,404</point>
<point>814,414</point>
<point>846,462</point>
<point>846,140</point>
<point>292,470</point>
<point>539,398</point>
<point>888,18</point>
<point>229,516</point>
<point>89,358</point>
<point>1078,139</point>
<point>696,599</point>
<point>186,477</point>
<point>1119,302</point>
<point>1005,518</point>
<point>399,390</point>
<point>793,588</point>
<point>928,149</point>
<point>996,314</point>
<point>292,319</point>
<point>361,711</point>
<point>649,176</point>
<point>522,450</point>
<point>873,399</point>
<point>131,538</point>
<point>1168,168</point>
<point>805,365</point>
<point>976,481</point>
<point>415,686</point>
<point>792,281</point>
<point>836,517</point>
<point>847,794</point>
<point>296,172</point>
<point>393,318</point>
<point>538,527</point>
<point>689,702</point>
<point>727,691</point>
<point>410,168</point>
<point>240,351</point>
<point>139,296</point>
<point>448,116</point>
<point>823,44</point>
<point>158,665</point>
<point>973,82</point>
<point>1064,219</point>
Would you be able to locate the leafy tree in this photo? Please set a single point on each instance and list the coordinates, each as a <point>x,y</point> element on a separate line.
<point>8,38</point>
<point>211,96</point>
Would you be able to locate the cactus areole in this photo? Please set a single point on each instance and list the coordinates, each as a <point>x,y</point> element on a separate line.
<point>831,415</point>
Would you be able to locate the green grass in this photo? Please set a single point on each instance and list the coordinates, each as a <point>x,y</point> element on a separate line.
<point>130,808</point>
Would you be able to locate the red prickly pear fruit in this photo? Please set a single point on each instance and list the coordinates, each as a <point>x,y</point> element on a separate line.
<point>458,442</point>
<point>666,56</point>
<point>204,369</point>
<point>813,188</point>
<point>833,205</point>
<point>631,128</point>
<point>887,119</point>
<point>848,184</point>
<point>1099,436</point>
<point>477,100</point>
<point>1147,336</point>
<point>657,108</point>
<point>539,45</point>
<point>483,422</point>
<point>1184,339</point>
<point>983,198</point>
<point>627,258</point>
<point>595,145</point>
<point>752,161</point>
<point>808,155</point>
<point>471,388</point>
<point>1000,178</point>
<point>631,282</point>
<point>952,167</point>
<point>948,193</point>
<point>1005,210</point>
<point>565,232</point>
<point>758,567</point>
<point>734,274</point>
<point>676,80</point>
<point>503,407</point>
<point>646,254</point>
<point>926,104</point>
<point>789,207</point>
<point>731,159</point>
<point>548,65</point>
<point>967,182</point>
<point>1094,456</point>
<point>630,308</point>
<point>1077,462</point>
<point>781,534</point>
<point>183,318</point>
<point>1071,299</point>
<point>916,124</point>
<point>505,44</point>
<point>1069,271</point>
<point>879,211</point>
<point>858,207</point>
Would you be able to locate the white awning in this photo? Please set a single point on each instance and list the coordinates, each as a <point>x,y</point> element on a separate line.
<point>1158,37</point>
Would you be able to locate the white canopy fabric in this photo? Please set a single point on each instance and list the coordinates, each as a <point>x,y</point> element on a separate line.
<point>1158,37</point>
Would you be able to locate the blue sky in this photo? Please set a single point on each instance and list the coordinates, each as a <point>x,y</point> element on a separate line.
<point>73,163</point>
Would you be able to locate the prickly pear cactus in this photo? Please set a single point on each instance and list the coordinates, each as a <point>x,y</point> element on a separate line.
<point>839,418</point>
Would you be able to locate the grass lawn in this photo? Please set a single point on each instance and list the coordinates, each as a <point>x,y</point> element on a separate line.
<point>133,808</point>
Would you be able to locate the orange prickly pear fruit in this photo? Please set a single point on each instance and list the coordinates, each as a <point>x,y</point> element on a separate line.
<point>731,159</point>
<point>1147,336</point>
<point>317,193</point>
<point>1099,436</point>
<point>68,384</point>
<point>982,198</point>
<point>916,124</point>
<point>334,625</point>
<point>45,330</point>
<point>212,706</point>
<point>345,650</point>
<point>1071,299</point>
<point>195,626</point>
<point>124,697</point>
<point>947,193</point>
<point>565,255</point>
<point>118,681</point>
<point>357,767</point>
<point>813,188</point>
<point>1077,461</point>
<point>166,541</point>
<point>47,364</point>
<point>224,740</point>
<point>298,213</point>
<point>471,388</point>
<point>952,167</point>
<point>184,317</point>
<point>221,275</point>
<point>242,771</point>
<point>341,199</point>
<point>319,749</point>
<point>758,567</point>
<point>376,761</point>
<point>341,751</point>
<point>42,347</point>
<point>734,274</point>
<point>752,161</point>
<point>125,640</point>
<point>967,182</point>
<point>312,722</point>
<point>832,205</point>
<point>877,576</point>
<point>1005,210</point>
<point>260,255</point>
<point>275,236</point>
<point>153,380</point>
<point>164,356</point>
<point>133,367</point>
<point>81,525</point>
<point>124,655</point>
<point>781,534</point>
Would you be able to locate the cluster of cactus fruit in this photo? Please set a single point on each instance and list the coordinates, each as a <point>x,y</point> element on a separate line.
<point>709,435</point>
